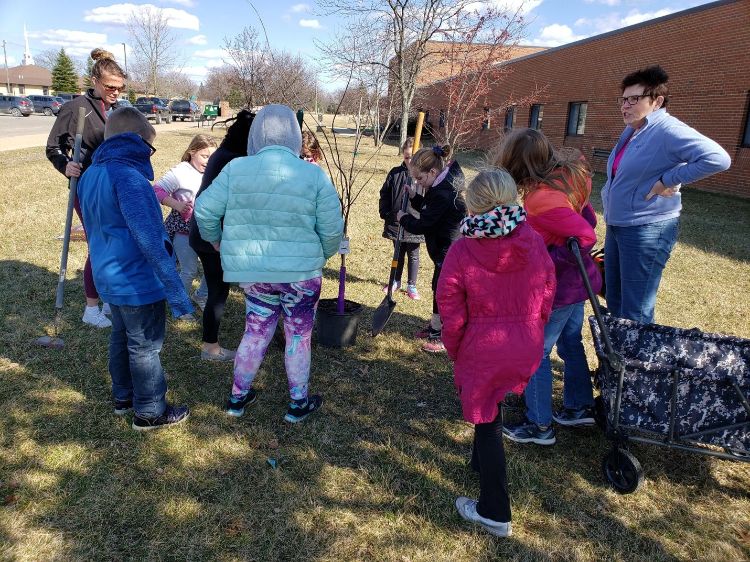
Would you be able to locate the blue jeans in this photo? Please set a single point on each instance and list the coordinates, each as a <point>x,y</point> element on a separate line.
<point>564,329</point>
<point>188,260</point>
<point>134,365</point>
<point>634,259</point>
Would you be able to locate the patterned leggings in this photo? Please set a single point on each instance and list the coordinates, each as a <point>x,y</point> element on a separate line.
<point>296,302</point>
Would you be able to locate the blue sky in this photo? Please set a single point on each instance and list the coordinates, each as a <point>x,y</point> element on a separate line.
<point>201,25</point>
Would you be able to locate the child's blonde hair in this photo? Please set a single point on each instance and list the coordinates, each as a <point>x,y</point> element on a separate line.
<point>489,189</point>
<point>198,143</point>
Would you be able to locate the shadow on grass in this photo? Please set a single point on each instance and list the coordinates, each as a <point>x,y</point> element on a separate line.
<point>372,476</point>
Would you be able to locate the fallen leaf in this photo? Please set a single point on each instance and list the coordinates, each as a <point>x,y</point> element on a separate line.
<point>273,444</point>
<point>10,499</point>
<point>235,527</point>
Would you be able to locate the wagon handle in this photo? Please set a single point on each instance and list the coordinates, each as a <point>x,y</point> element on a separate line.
<point>613,358</point>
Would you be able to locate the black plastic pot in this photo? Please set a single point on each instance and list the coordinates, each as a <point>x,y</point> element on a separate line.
<point>334,329</point>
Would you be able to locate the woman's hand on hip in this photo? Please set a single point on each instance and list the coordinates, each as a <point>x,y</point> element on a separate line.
<point>662,190</point>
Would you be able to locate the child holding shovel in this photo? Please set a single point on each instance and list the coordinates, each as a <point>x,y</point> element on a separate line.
<point>441,209</point>
<point>391,195</point>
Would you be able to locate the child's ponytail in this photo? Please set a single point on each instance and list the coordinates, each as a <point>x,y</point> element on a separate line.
<point>436,158</point>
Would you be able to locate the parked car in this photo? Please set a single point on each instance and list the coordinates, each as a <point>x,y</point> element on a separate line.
<point>45,104</point>
<point>61,100</point>
<point>185,109</point>
<point>16,105</point>
<point>66,96</point>
<point>123,103</point>
<point>154,108</point>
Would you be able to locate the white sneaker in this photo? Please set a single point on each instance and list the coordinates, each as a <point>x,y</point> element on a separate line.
<point>95,317</point>
<point>467,508</point>
<point>105,309</point>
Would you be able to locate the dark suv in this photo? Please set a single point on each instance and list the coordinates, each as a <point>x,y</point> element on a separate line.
<point>16,105</point>
<point>46,104</point>
<point>185,109</point>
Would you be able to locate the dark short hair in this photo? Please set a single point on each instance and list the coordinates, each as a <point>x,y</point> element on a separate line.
<point>653,79</point>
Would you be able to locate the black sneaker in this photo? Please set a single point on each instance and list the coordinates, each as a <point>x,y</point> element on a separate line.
<point>575,418</point>
<point>171,416</point>
<point>530,432</point>
<point>122,407</point>
<point>236,406</point>
<point>300,409</point>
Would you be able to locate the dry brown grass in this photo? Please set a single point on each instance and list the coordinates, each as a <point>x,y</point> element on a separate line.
<point>374,475</point>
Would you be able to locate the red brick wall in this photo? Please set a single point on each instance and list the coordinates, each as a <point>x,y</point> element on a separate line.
<point>705,51</point>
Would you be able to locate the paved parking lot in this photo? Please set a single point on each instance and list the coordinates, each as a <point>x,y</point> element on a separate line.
<point>26,132</point>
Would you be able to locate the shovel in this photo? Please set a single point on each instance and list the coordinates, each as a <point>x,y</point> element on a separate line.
<point>54,341</point>
<point>385,309</point>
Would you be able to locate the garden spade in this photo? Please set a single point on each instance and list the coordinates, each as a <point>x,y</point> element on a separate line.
<point>54,341</point>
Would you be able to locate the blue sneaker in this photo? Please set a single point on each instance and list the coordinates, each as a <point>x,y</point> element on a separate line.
<point>530,432</point>
<point>574,418</point>
<point>236,406</point>
<point>171,416</point>
<point>300,409</point>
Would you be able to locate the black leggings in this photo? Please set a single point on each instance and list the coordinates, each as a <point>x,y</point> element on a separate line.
<point>218,291</point>
<point>408,250</point>
<point>488,458</point>
<point>435,277</point>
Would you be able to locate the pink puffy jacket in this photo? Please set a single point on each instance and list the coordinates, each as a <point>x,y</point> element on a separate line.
<point>495,296</point>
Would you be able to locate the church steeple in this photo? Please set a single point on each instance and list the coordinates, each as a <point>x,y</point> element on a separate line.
<point>27,58</point>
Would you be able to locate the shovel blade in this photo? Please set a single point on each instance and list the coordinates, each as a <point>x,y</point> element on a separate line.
<point>382,314</point>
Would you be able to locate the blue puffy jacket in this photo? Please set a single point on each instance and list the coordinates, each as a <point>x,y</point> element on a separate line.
<point>282,216</point>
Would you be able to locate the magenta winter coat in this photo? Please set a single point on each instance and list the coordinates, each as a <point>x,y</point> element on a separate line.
<point>494,296</point>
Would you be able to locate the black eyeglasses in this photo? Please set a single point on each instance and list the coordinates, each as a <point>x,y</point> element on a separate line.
<point>150,146</point>
<point>632,100</point>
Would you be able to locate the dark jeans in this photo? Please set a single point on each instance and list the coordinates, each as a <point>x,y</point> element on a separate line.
<point>218,291</point>
<point>408,250</point>
<point>488,458</point>
<point>134,365</point>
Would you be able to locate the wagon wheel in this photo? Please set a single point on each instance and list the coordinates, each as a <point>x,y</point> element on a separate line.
<point>622,470</point>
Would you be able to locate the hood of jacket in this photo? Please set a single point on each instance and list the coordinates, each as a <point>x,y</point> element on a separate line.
<point>274,125</point>
<point>129,149</point>
<point>511,255</point>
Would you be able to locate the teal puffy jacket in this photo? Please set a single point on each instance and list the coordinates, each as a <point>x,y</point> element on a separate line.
<point>281,217</point>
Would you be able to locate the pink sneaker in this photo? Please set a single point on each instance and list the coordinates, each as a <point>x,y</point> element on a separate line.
<point>433,345</point>
<point>412,293</point>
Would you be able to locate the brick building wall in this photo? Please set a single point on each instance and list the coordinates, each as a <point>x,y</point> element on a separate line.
<point>705,51</point>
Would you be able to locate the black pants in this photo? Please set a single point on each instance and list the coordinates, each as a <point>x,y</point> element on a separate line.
<point>409,250</point>
<point>488,458</point>
<point>218,291</point>
<point>435,277</point>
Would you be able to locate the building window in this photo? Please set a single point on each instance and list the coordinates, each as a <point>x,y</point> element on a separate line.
<point>45,91</point>
<point>577,118</point>
<point>535,117</point>
<point>746,136</point>
<point>486,119</point>
<point>510,115</point>
<point>441,119</point>
<point>21,89</point>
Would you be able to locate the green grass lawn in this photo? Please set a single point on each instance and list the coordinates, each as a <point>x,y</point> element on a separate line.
<point>374,475</point>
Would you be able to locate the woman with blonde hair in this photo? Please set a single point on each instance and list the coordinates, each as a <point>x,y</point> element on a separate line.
<point>494,293</point>
<point>108,81</point>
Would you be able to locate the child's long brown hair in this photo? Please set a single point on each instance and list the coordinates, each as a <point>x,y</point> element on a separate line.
<point>199,142</point>
<point>530,158</point>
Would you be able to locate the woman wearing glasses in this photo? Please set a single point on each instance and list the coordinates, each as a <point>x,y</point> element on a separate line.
<point>655,156</point>
<point>108,81</point>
